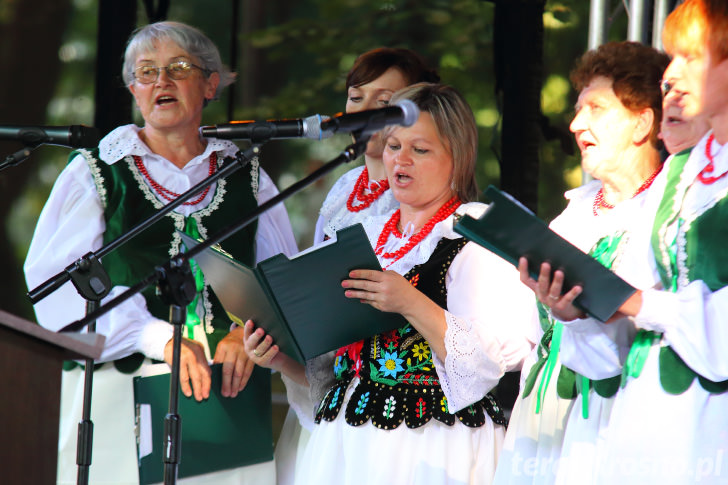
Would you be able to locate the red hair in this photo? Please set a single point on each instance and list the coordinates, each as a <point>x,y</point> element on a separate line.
<point>697,25</point>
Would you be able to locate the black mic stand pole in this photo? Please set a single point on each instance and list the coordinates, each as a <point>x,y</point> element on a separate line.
<point>85,433</point>
<point>177,287</point>
<point>93,284</point>
<point>17,157</point>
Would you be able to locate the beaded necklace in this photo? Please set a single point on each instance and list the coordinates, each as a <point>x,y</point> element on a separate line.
<point>358,192</point>
<point>704,175</point>
<point>390,228</point>
<point>168,194</point>
<point>600,203</point>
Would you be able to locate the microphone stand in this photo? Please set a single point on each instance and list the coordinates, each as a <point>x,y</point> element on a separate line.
<point>54,282</point>
<point>350,153</point>
<point>17,157</point>
<point>177,286</point>
<point>93,283</point>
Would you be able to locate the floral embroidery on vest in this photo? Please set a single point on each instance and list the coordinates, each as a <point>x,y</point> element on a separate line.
<point>398,381</point>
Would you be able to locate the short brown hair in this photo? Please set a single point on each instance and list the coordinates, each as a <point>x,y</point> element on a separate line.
<point>456,127</point>
<point>635,70</point>
<point>372,64</point>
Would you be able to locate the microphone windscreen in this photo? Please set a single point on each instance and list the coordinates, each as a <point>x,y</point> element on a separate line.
<point>410,111</point>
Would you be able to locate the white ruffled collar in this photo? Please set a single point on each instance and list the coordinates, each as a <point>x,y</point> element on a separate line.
<point>421,253</point>
<point>124,141</point>
<point>339,193</point>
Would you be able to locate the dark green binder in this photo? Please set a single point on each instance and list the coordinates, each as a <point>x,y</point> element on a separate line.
<point>219,433</point>
<point>510,230</point>
<point>300,301</point>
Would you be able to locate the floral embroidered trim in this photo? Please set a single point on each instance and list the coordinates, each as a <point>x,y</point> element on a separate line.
<point>686,212</point>
<point>207,304</point>
<point>680,188</point>
<point>254,166</point>
<point>179,222</point>
<point>98,179</point>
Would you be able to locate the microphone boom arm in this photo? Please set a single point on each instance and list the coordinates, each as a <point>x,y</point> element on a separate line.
<point>350,153</point>
<point>53,283</point>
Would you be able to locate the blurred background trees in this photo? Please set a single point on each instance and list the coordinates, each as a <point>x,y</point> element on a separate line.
<point>292,58</point>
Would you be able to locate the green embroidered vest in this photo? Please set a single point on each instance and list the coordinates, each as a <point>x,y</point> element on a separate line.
<point>398,378</point>
<point>127,200</point>
<point>697,252</point>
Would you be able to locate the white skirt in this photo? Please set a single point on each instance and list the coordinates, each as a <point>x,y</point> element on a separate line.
<point>433,454</point>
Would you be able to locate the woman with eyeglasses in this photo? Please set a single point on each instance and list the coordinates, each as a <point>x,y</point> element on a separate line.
<point>173,70</point>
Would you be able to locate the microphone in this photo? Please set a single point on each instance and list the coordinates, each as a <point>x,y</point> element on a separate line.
<point>268,130</point>
<point>74,136</point>
<point>404,113</point>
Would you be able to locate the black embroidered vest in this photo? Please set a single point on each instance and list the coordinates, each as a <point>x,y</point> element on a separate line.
<point>398,378</point>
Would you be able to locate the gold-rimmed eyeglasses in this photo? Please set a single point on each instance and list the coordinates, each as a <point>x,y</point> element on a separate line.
<point>175,70</point>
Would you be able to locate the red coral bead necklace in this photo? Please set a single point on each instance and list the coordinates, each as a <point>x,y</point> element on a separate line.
<point>362,182</point>
<point>167,194</point>
<point>600,203</point>
<point>390,228</point>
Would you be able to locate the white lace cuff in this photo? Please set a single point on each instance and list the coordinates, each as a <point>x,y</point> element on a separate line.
<point>472,366</point>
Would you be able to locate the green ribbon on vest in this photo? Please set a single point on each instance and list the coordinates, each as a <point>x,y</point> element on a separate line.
<point>193,318</point>
<point>605,249</point>
<point>638,354</point>
<point>672,253</point>
<point>550,364</point>
<point>544,345</point>
<point>605,252</point>
<point>582,387</point>
<point>569,383</point>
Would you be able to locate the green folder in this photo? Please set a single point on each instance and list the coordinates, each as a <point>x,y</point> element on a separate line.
<point>510,230</point>
<point>218,433</point>
<point>300,301</point>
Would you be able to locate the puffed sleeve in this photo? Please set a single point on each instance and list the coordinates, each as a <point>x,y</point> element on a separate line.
<point>490,325</point>
<point>274,235</point>
<point>596,350</point>
<point>693,321</point>
<point>70,225</point>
